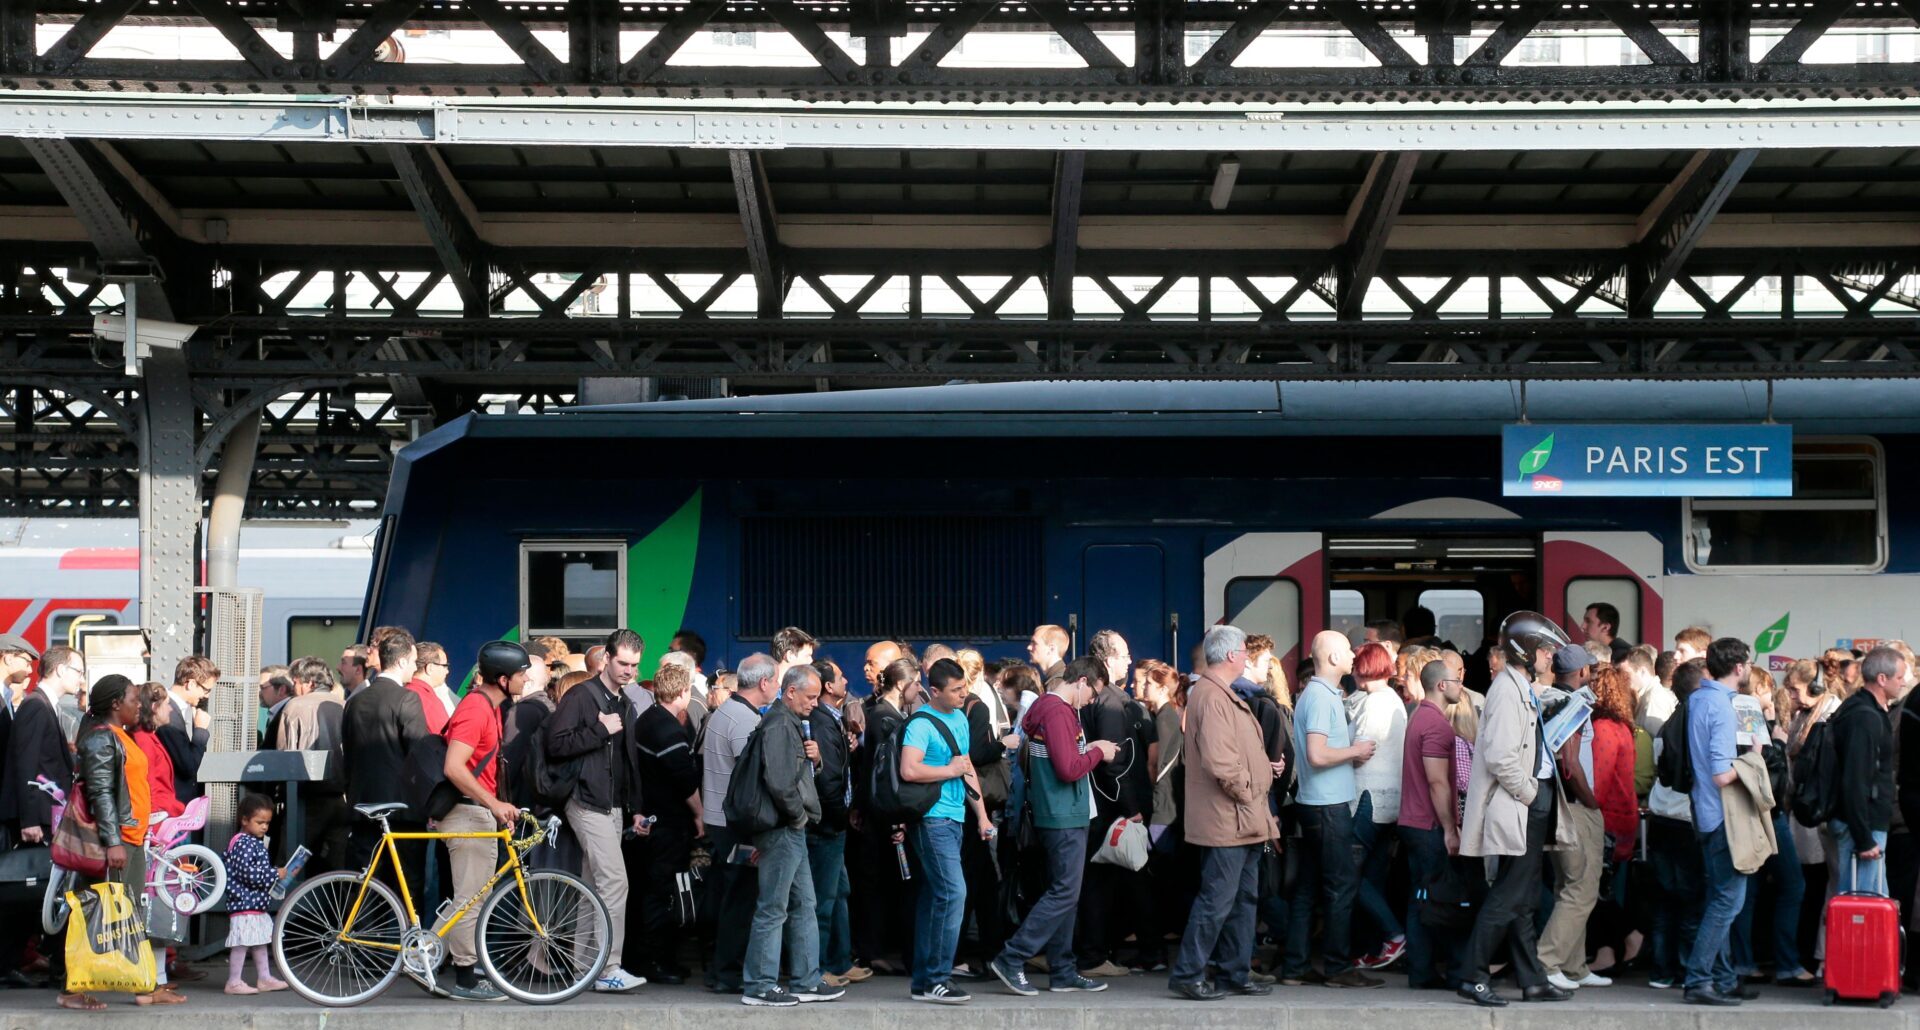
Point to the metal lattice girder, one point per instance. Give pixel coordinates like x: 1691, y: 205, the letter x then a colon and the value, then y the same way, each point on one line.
x: 1182, y: 49
x: 1672, y: 226
x: 129, y: 234
x: 760, y: 223
x: 558, y: 351
x: 451, y: 221
x: 169, y: 506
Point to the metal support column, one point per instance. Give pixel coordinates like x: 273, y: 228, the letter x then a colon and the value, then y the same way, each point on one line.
x: 169, y: 507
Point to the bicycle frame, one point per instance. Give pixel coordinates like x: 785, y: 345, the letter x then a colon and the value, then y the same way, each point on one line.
x: 388, y: 850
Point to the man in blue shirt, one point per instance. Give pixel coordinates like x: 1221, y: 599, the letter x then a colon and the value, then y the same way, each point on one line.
x: 1325, y: 754
x: 1712, y: 748
x: 927, y: 757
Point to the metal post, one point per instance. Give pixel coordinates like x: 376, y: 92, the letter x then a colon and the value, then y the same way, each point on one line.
x: 230, y: 505
x: 169, y: 507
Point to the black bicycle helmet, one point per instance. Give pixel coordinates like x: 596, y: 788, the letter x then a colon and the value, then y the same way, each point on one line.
x: 502, y: 658
x: 1525, y: 633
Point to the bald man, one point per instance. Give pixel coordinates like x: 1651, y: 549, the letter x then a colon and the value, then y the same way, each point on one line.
x: 1327, y: 753
x: 879, y: 656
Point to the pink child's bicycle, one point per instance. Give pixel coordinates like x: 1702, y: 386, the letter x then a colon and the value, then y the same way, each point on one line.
x: 188, y: 878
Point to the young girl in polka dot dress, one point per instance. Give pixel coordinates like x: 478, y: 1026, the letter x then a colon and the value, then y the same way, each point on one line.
x: 250, y: 878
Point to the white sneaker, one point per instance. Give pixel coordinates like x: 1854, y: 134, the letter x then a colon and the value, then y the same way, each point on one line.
x: 1593, y: 979
x: 617, y: 980
x: 1560, y: 980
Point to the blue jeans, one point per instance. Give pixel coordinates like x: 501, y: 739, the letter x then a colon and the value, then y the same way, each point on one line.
x: 1789, y: 885
x: 1220, y: 930
x: 1373, y: 842
x: 1726, y: 893
x: 1326, y: 872
x: 942, y: 905
x: 1872, y: 871
x: 1428, y: 861
x: 1048, y: 927
x: 784, y: 915
x: 827, y: 856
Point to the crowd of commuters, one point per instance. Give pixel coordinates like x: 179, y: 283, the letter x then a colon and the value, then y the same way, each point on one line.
x: 1555, y: 813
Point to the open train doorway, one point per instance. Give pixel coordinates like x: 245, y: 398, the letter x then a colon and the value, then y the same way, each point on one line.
x: 1466, y: 583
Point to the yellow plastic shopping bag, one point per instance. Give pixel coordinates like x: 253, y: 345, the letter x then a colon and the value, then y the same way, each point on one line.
x: 107, y: 947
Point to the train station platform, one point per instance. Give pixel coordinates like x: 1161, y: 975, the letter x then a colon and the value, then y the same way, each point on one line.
x: 1135, y: 1003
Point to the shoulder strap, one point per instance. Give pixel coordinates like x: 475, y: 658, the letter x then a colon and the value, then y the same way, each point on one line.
x: 953, y: 746
x: 1169, y: 766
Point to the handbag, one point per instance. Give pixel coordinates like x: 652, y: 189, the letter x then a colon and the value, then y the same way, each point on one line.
x: 76, y: 841
x: 1446, y: 903
x: 1124, y: 844
x: 23, y: 874
x: 107, y: 948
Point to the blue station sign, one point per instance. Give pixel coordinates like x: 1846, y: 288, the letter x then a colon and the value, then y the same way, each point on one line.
x: 1647, y: 461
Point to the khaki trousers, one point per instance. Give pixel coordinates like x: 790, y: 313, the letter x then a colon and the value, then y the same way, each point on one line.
x: 1576, y: 877
x: 604, y: 867
x: 473, y: 861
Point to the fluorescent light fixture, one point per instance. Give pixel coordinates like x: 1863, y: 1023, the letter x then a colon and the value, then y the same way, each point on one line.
x: 1223, y: 179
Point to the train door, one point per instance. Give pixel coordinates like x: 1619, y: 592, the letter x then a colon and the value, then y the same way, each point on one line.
x: 1465, y: 583
x: 1616, y: 568
x: 1123, y: 587
x: 1272, y: 583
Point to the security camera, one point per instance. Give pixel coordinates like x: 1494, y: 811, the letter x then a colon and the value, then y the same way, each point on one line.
x: 152, y: 331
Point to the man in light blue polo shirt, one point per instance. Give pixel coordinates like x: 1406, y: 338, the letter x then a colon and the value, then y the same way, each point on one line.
x: 1325, y: 754
x: 1712, y: 748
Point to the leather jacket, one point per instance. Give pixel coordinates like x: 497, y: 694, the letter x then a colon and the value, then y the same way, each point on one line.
x: 101, y: 772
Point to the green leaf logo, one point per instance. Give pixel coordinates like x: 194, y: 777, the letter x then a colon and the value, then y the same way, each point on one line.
x: 1536, y: 459
x: 1772, y: 637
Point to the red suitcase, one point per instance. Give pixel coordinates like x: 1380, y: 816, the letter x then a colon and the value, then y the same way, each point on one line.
x: 1863, y: 948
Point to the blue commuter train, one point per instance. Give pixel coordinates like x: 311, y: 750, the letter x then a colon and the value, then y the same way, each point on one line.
x: 969, y: 513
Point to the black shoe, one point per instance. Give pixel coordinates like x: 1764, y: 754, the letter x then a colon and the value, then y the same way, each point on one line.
x: 1249, y: 990
x: 1482, y: 995
x: 1310, y: 978
x: 1746, y: 992
x: 1199, y: 990
x: 1354, y: 978
x: 663, y: 976
x: 1709, y: 996
x: 1545, y: 992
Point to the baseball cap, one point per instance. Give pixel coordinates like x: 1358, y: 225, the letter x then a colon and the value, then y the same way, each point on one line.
x: 1571, y: 658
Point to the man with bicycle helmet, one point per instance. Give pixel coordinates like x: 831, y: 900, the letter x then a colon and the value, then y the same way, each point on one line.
x: 473, y: 767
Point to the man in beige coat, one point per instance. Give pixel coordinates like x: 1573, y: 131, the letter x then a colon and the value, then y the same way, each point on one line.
x: 1228, y: 776
x: 1512, y: 796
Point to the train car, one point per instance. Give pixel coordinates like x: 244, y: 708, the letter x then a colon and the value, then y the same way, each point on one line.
x: 970, y: 513
x: 313, y: 575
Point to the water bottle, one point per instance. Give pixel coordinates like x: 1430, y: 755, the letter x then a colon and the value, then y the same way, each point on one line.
x: 900, y: 855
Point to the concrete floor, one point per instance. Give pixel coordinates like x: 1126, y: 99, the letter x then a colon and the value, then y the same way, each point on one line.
x: 1133, y: 1003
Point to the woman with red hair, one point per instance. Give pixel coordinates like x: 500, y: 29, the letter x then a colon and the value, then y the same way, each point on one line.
x: 1380, y: 716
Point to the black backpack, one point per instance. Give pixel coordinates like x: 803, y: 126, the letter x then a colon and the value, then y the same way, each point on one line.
x: 1675, y: 766
x: 1815, y: 792
x: 547, y: 783
x: 895, y: 798
x: 748, y: 806
x: 424, y: 786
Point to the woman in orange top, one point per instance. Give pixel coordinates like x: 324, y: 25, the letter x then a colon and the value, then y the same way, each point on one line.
x: 155, y: 712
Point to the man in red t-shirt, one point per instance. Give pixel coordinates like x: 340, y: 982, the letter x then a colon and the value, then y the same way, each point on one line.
x: 473, y: 767
x: 1429, y: 827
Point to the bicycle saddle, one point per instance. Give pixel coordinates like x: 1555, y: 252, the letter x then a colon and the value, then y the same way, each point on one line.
x: 375, y: 811
x: 194, y: 818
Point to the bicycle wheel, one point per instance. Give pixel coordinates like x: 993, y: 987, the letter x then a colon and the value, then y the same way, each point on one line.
x: 559, y: 959
x: 53, y: 904
x: 197, y: 874
x: 326, y: 966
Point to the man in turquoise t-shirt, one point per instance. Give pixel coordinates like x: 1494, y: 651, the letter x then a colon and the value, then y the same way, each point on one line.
x: 927, y: 757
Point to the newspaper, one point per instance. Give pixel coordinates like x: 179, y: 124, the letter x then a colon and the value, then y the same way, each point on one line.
x: 1749, y: 722
x: 1568, y: 720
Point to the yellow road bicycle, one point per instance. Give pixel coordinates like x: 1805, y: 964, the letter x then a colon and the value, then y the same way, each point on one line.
x: 343, y: 937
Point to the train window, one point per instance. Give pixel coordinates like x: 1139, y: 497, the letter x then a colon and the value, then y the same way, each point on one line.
x: 1835, y: 520
x: 1459, y: 616
x: 60, y: 627
x: 322, y: 636
x: 1621, y: 592
x: 1269, y: 605
x: 1346, y: 611
x: 572, y: 588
